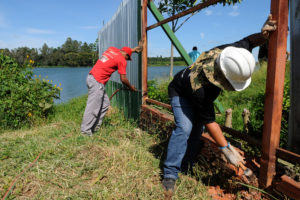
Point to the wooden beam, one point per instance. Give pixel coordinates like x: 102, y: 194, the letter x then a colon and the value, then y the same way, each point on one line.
x: 157, y: 114
x: 288, y: 186
x: 288, y: 156
x: 186, y: 12
x: 240, y: 135
x: 274, y: 92
x: 144, y: 53
x: 164, y: 105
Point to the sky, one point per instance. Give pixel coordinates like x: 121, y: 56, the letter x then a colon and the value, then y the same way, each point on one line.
x: 32, y: 23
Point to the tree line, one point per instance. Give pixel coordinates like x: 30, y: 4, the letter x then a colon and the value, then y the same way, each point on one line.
x: 72, y: 53
x: 162, y: 61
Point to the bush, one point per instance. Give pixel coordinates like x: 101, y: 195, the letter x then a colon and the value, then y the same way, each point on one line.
x: 257, y: 118
x: 158, y: 90
x: 23, y: 99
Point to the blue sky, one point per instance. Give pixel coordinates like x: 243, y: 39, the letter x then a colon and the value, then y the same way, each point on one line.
x: 35, y: 22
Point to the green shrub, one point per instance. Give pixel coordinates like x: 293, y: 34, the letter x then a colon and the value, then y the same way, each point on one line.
x: 23, y: 99
x: 257, y: 117
x: 158, y: 90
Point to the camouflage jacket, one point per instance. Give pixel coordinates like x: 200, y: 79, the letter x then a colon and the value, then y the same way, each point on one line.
x: 205, y: 70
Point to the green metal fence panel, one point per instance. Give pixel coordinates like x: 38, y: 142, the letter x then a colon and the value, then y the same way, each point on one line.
x: 124, y: 29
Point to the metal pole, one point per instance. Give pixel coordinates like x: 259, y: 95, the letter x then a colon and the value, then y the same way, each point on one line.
x: 274, y: 92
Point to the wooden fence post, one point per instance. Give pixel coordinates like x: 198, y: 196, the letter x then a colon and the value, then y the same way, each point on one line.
x: 274, y: 92
x: 228, y: 118
x: 246, y: 119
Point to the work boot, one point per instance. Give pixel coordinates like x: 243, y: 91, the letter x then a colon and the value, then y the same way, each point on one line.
x: 169, y: 185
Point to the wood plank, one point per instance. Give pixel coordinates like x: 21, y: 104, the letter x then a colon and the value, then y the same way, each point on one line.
x: 184, y: 13
x: 274, y: 92
x: 288, y: 186
x: 145, y: 52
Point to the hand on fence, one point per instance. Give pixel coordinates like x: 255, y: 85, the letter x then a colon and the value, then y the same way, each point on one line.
x: 269, y: 26
x: 139, y: 48
x: 133, y: 89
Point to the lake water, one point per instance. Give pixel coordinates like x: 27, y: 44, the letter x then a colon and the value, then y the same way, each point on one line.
x: 72, y: 80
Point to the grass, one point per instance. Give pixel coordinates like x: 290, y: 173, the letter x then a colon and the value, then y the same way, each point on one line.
x: 118, y: 162
x: 237, y: 101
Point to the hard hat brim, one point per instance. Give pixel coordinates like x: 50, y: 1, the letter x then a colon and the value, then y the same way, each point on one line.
x: 238, y: 86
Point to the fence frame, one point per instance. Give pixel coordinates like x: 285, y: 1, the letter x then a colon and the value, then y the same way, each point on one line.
x: 273, y: 101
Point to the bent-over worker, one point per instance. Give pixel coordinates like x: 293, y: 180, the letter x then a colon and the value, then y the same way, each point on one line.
x: 98, y: 102
x: 192, y: 93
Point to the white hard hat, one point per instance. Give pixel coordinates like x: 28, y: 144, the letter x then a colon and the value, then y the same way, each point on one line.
x: 237, y: 65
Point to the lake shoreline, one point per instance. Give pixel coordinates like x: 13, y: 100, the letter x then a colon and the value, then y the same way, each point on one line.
x: 72, y: 80
x: 149, y: 65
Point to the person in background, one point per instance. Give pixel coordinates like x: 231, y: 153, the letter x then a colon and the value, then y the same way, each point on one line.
x: 194, y: 54
x: 192, y: 93
x: 98, y: 102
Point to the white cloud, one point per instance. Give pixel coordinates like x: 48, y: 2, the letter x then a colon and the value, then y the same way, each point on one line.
x: 39, y: 31
x: 202, y: 35
x: 234, y: 11
x: 208, y: 12
x: 89, y: 27
x: 3, y: 23
x: 15, y: 41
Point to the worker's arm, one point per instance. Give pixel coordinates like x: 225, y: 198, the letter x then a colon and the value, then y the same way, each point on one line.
x: 216, y: 133
x: 256, y: 39
x: 126, y: 82
x: 230, y: 153
x: 259, y: 39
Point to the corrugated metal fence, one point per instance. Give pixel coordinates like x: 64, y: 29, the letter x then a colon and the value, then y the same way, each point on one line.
x: 124, y: 29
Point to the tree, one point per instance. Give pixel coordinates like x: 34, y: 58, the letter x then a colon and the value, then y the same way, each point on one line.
x: 71, y: 46
x: 172, y: 7
x: 21, y: 54
x: 72, y: 53
x: 85, y: 48
x: 44, y: 56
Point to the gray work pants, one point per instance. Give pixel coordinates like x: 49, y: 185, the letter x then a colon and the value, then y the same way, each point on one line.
x: 96, y: 106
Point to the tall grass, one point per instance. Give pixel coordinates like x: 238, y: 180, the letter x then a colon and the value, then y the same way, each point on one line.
x: 253, y: 99
x: 237, y: 101
x: 118, y: 162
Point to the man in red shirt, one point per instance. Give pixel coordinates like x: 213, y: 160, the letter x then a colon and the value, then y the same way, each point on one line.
x: 98, y: 102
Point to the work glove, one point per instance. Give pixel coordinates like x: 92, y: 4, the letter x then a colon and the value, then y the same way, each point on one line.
x: 269, y: 26
x: 232, y: 155
x: 139, y: 48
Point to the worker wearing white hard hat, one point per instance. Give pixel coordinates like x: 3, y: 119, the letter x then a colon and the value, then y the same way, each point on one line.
x: 192, y: 93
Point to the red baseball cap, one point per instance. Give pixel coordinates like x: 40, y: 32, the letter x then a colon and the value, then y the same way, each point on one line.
x: 128, y: 51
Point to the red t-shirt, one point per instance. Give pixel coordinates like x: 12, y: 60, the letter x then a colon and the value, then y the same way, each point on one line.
x: 110, y: 61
